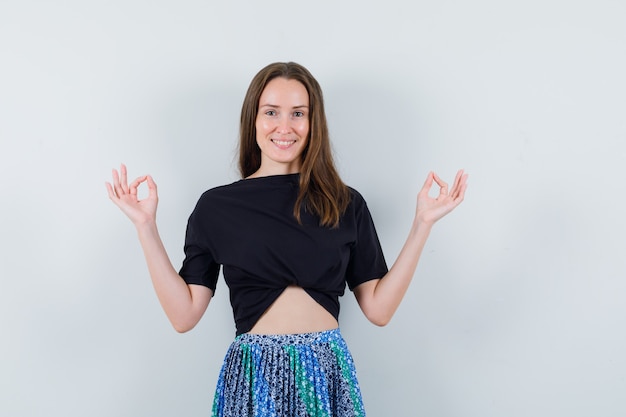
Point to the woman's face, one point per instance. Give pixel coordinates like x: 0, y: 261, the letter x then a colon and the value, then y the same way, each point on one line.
x: 282, y: 126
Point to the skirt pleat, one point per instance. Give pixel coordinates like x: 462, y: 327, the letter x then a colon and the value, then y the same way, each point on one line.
x: 295, y: 375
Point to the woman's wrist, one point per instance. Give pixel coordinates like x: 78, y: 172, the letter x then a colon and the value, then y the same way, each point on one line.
x: 146, y: 227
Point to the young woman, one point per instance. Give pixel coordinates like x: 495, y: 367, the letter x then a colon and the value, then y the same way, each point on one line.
x: 289, y: 236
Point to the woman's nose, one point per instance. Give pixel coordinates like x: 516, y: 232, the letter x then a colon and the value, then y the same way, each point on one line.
x: 284, y: 124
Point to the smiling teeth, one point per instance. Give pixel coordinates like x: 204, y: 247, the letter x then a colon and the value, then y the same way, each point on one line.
x: 283, y: 142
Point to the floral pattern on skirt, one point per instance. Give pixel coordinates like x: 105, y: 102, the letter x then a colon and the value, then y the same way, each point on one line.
x: 293, y: 375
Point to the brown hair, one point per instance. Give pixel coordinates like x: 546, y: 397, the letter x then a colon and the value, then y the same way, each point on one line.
x: 321, y: 189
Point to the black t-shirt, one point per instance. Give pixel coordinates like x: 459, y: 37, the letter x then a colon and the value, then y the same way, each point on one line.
x: 249, y: 228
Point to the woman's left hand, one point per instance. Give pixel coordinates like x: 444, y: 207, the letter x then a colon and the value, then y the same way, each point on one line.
x: 430, y: 209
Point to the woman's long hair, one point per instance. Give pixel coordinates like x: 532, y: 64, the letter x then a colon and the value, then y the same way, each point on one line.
x: 321, y: 189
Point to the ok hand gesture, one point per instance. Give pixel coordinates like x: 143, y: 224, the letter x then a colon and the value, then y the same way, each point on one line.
x: 429, y: 209
x: 125, y: 197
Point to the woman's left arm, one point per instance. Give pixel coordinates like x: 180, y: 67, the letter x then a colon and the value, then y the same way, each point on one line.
x: 380, y: 298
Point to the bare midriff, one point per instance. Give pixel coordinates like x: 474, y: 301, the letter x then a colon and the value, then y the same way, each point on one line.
x: 294, y: 311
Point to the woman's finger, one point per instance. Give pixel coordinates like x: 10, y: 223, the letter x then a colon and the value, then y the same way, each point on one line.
x: 461, y: 186
x: 132, y: 189
x: 110, y: 191
x: 117, y: 188
x: 457, y: 183
x: 124, y: 178
x: 427, y: 184
x: 443, y: 186
x: 152, y: 187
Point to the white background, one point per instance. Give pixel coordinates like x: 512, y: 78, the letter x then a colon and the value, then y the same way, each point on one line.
x: 517, y: 308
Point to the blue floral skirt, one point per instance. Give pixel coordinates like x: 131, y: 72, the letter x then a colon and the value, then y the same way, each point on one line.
x: 294, y: 375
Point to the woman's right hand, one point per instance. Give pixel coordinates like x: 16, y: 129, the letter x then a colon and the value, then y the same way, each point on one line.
x: 125, y: 197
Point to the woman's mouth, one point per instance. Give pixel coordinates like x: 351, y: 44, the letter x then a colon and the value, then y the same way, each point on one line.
x: 283, y: 144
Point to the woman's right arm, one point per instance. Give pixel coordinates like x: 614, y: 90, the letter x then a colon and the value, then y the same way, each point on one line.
x: 183, y: 304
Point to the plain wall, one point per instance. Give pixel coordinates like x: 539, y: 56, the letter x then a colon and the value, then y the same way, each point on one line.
x: 517, y: 307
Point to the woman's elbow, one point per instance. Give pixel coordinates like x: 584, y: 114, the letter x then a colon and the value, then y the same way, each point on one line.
x: 183, y: 326
x: 182, y: 329
x: 379, y: 319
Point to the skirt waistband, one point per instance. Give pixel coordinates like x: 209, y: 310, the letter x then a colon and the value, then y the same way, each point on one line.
x: 313, y: 338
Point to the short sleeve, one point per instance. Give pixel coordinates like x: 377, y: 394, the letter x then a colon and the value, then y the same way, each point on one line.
x: 199, y: 266
x: 367, y: 261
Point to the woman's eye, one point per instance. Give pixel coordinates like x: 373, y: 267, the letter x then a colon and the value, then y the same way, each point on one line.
x: 298, y: 114
x: 270, y: 113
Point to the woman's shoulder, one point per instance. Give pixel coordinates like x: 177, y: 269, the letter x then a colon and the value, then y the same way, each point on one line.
x: 220, y: 191
x: 356, y: 198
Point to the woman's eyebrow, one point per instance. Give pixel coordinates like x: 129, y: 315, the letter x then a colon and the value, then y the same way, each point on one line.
x: 300, y: 106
